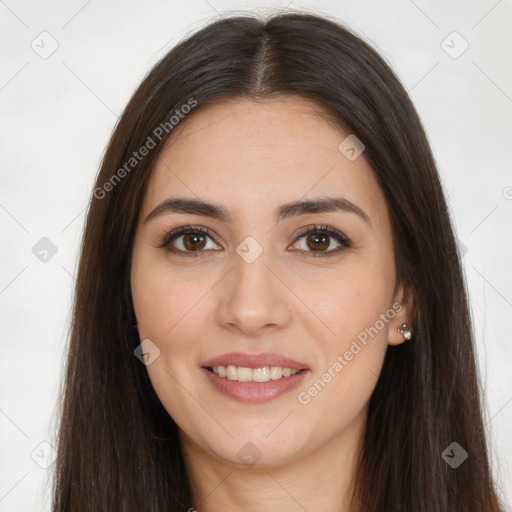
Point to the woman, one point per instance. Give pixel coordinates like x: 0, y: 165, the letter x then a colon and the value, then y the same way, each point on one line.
x: 270, y: 309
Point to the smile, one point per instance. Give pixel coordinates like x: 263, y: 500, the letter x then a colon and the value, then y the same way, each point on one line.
x: 253, y: 391
x: 243, y: 374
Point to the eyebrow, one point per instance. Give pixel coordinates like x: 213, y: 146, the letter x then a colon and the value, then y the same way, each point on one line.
x: 285, y: 211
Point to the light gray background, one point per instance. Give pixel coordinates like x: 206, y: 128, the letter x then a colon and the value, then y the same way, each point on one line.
x: 56, y: 117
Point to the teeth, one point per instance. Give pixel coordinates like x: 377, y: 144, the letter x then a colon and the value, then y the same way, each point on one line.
x: 260, y: 374
x: 276, y: 372
x: 242, y: 374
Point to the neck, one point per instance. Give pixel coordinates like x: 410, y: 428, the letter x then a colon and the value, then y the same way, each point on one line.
x: 321, y: 481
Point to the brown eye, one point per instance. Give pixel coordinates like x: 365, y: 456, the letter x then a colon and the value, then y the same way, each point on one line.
x: 194, y: 242
x: 318, y: 241
x: 188, y: 241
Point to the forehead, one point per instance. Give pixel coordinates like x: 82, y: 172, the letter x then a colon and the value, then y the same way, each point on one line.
x: 247, y: 154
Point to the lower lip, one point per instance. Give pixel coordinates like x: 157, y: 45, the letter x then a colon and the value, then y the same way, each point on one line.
x: 254, y: 392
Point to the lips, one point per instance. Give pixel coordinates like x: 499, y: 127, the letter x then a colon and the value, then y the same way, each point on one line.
x: 254, y: 361
x: 254, y: 392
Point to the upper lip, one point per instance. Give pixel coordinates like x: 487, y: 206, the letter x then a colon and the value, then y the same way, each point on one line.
x: 247, y: 360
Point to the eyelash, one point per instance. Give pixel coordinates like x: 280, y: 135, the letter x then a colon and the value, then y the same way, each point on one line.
x: 325, y: 230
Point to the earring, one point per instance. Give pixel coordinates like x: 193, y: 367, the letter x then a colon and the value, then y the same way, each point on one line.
x: 406, y: 331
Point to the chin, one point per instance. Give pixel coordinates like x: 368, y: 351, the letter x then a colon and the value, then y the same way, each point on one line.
x: 257, y: 451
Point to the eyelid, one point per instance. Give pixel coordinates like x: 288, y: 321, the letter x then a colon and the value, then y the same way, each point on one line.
x: 183, y: 230
x: 325, y: 229
x: 342, y: 239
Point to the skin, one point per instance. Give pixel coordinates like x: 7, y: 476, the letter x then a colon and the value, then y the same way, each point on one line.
x: 252, y: 157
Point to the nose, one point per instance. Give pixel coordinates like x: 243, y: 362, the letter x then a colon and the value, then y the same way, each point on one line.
x: 253, y: 299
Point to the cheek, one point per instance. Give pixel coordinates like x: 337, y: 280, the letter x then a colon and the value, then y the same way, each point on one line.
x: 169, y: 313
x: 352, y: 300
x: 161, y: 302
x: 358, y: 314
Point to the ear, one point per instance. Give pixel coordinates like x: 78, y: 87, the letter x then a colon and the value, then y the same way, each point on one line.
x: 404, y: 305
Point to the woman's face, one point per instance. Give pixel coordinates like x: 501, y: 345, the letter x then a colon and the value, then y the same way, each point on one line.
x: 269, y: 286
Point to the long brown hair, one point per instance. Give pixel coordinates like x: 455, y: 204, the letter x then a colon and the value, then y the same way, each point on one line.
x: 118, y: 448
